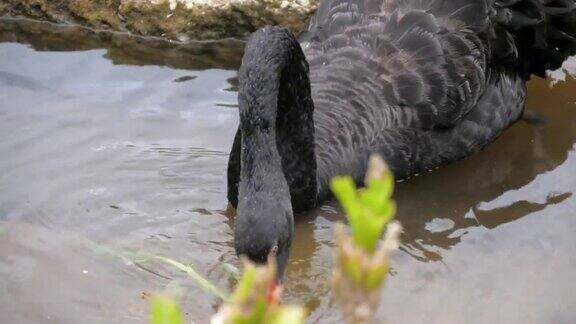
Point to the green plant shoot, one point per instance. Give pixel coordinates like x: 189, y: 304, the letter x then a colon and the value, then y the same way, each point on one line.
x: 254, y: 300
x: 368, y: 210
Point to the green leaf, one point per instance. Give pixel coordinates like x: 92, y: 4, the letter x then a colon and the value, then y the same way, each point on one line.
x: 232, y: 270
x: 246, y: 284
x: 203, y: 283
x: 165, y: 311
x: 368, y: 211
x: 352, y: 268
x: 375, y: 278
x: 345, y: 191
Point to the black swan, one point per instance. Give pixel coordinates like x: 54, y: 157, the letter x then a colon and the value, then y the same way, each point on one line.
x: 421, y: 82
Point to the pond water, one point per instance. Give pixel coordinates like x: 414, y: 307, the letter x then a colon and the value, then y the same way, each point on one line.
x: 124, y: 143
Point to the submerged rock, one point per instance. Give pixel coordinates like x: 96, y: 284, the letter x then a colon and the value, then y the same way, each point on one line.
x: 173, y: 19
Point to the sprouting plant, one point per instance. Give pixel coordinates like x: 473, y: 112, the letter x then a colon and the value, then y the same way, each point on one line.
x: 362, y: 264
x: 368, y: 210
x: 256, y: 300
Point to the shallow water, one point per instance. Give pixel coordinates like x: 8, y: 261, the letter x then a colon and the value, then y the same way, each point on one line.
x: 125, y: 144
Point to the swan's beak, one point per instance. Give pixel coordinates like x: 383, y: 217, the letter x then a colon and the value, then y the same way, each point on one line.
x: 275, y: 290
x: 275, y: 293
x: 281, y: 258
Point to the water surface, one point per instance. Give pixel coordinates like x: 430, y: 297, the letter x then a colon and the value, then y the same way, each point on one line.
x: 124, y: 143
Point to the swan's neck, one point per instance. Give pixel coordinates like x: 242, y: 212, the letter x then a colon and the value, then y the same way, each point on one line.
x: 276, y: 117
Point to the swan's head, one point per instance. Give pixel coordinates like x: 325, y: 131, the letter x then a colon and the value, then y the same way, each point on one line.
x: 264, y: 227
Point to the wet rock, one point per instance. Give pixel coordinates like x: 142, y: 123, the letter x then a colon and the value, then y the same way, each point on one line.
x: 181, y: 20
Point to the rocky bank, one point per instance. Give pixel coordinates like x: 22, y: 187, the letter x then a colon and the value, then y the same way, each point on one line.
x: 180, y: 20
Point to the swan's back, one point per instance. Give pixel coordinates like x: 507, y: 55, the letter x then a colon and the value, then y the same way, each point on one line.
x: 421, y: 82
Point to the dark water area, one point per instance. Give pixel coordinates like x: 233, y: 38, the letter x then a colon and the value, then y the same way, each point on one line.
x: 123, y: 142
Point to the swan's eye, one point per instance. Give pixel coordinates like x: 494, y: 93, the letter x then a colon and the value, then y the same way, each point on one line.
x: 274, y: 250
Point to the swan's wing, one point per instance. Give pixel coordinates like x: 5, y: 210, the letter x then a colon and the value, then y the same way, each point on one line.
x: 412, y: 67
x: 411, y: 63
x: 334, y: 16
x: 428, y: 60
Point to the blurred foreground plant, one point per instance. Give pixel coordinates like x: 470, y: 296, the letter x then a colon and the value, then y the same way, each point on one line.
x: 361, y: 267
x: 362, y: 264
x: 256, y: 300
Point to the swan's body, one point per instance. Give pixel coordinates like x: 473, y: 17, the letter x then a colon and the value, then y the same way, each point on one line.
x: 421, y: 83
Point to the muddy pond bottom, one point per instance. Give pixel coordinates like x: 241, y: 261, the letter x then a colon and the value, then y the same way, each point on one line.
x: 110, y: 145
